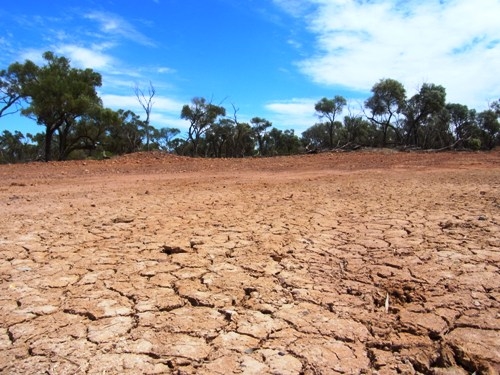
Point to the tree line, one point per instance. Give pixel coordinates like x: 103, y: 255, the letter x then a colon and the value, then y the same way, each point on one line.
x: 64, y: 101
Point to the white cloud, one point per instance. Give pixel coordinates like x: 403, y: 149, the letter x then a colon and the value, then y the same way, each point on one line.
x: 160, y: 103
x: 86, y: 57
x: 117, y: 83
x: 296, y: 8
x: 80, y: 57
x: 32, y: 54
x: 113, y: 24
x: 297, y: 114
x: 165, y: 111
x: 165, y: 70
x: 120, y: 101
x: 167, y: 104
x: 161, y: 120
x: 453, y: 43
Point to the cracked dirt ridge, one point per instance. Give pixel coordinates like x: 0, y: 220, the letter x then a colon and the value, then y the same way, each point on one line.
x: 365, y: 263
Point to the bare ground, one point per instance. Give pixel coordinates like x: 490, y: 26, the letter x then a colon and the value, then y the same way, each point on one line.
x: 350, y: 263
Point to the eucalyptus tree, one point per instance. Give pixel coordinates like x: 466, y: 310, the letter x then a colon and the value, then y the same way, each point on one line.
x: 89, y: 132
x: 462, y: 122
x: 283, y: 142
x: 387, y: 102
x: 243, y: 140
x: 420, y: 110
x: 358, y: 131
x: 12, y: 83
x: 124, y: 135
x: 329, y: 109
x: 200, y: 114
x: 219, y: 138
x: 166, y: 137
x: 146, y: 102
x: 490, y: 128
x: 316, y: 137
x: 58, y: 96
x: 259, y: 127
x: 436, y: 134
x: 495, y: 106
x: 180, y: 146
x: 16, y: 147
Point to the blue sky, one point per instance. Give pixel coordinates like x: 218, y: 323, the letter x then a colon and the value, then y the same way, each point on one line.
x: 268, y: 58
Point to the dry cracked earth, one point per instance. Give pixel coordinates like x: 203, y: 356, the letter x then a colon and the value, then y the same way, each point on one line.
x: 338, y: 263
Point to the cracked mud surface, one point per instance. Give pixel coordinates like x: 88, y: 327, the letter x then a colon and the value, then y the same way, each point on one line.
x: 362, y: 263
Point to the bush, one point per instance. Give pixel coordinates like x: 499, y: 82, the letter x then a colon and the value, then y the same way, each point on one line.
x: 474, y: 144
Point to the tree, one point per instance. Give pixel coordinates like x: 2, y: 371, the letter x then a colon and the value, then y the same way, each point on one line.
x: 316, y: 137
x: 386, y: 104
x: 462, y: 122
x: 259, y: 127
x: 219, y: 137
x: 88, y: 132
x: 420, y: 109
x: 166, y: 138
x: 124, y: 135
x: 11, y: 146
x: 12, y: 84
x: 242, y: 139
x: 200, y: 114
x: 490, y: 128
x: 58, y: 96
x: 358, y: 131
x: 147, y: 104
x: 329, y: 109
x: 495, y: 106
x: 283, y: 142
x: 437, y: 134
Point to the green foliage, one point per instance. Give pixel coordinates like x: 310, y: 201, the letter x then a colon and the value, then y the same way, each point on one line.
x: 229, y: 138
x: 59, y: 95
x: 124, y: 134
x: 462, y: 122
x: 200, y: 114
x: 357, y: 132
x: 424, y: 121
x: 243, y: 140
x: 437, y: 134
x: 64, y: 101
x: 259, y: 127
x: 490, y: 128
x: 283, y: 142
x: 316, y: 137
x: 166, y: 138
x: 15, y: 147
x: 329, y: 109
x: 474, y: 144
x: 12, y: 85
x: 386, y: 104
x: 420, y: 111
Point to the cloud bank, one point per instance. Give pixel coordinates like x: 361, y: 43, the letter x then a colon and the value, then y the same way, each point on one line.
x: 454, y: 43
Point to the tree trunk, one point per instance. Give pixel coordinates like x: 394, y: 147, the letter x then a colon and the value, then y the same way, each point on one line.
x: 384, y: 132
x: 48, y: 142
x: 330, y: 133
